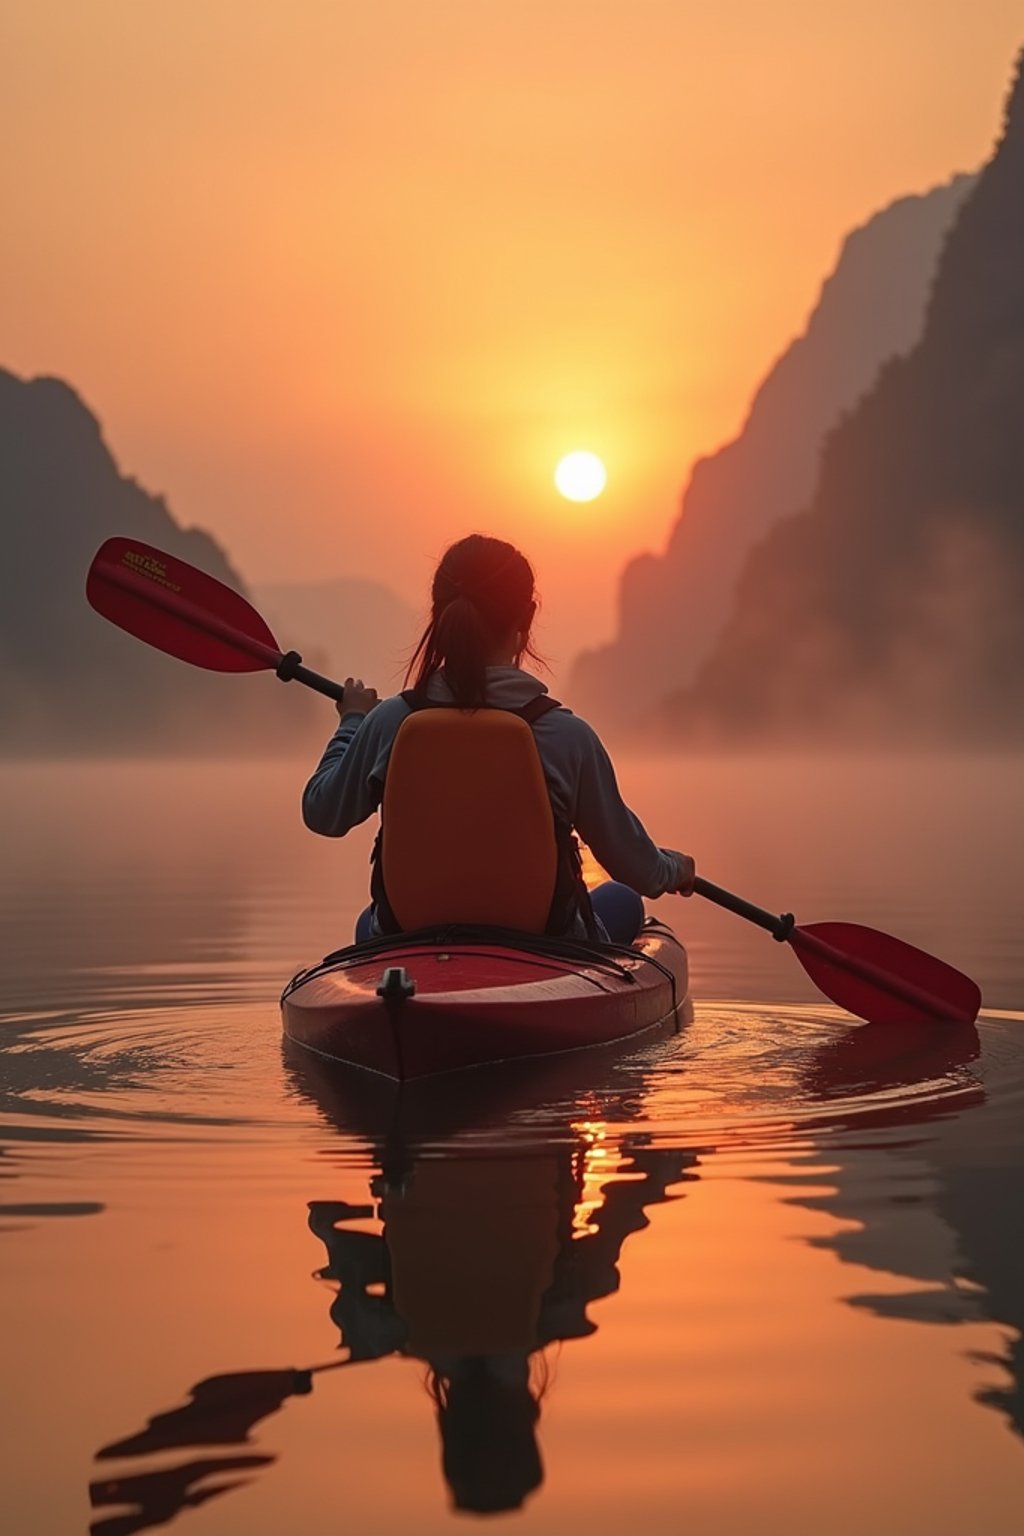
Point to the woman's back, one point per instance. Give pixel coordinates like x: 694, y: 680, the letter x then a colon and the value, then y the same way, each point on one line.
x: 466, y: 666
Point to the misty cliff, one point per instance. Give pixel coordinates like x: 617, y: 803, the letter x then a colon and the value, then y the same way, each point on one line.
x: 894, y: 605
x: 69, y: 681
x: 673, y: 606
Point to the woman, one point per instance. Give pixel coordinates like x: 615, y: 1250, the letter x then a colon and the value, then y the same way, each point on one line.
x: 468, y: 660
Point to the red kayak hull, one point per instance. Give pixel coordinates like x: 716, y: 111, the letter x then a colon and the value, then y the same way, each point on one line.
x: 478, y: 1003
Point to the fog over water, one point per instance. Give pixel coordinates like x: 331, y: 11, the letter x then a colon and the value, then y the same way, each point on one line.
x: 707, y: 1279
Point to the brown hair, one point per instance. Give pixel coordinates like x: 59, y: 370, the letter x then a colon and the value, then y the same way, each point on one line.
x: 482, y: 590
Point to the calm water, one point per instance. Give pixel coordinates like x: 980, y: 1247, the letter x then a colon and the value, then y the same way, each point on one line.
x: 768, y: 1276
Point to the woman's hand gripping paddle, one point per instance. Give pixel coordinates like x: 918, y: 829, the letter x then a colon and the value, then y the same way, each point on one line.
x: 870, y: 974
x: 183, y: 611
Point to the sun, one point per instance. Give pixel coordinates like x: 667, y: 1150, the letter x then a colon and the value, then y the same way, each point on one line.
x: 580, y: 476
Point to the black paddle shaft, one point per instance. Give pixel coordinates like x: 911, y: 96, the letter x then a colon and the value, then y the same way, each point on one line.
x: 290, y: 667
x: 779, y: 927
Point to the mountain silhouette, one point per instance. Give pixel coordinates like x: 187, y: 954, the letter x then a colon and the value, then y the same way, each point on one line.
x: 893, y: 607
x: 673, y: 606
x: 70, y: 683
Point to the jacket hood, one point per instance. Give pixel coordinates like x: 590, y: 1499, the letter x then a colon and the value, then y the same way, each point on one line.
x: 507, y: 688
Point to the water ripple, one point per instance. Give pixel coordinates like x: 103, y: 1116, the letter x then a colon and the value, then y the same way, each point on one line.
x: 741, y: 1077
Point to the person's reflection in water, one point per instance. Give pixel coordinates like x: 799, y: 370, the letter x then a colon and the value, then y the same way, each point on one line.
x: 483, y: 1261
x: 487, y: 1411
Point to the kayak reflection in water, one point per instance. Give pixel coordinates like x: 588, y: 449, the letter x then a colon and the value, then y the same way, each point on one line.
x: 482, y: 1262
x: 484, y: 1258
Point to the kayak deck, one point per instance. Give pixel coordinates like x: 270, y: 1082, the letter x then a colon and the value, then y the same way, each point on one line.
x: 481, y: 996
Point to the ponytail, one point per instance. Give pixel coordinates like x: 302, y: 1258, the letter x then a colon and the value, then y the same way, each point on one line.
x: 482, y: 590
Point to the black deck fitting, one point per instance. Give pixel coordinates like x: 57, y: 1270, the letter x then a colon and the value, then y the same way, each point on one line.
x: 396, y: 983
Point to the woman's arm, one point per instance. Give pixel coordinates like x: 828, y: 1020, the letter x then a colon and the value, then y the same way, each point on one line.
x: 616, y: 837
x: 348, y: 782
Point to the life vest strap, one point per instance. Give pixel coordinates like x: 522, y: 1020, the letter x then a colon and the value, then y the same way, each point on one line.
x: 531, y: 712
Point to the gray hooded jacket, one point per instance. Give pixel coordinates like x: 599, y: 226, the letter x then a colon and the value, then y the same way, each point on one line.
x: 348, y: 783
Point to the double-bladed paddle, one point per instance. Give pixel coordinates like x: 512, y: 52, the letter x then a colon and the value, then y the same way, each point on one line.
x: 870, y: 974
x: 171, y: 605
x: 189, y: 614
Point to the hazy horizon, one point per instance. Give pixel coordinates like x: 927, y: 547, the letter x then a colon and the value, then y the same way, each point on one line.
x: 353, y: 274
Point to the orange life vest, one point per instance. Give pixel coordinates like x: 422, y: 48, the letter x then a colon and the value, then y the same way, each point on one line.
x: 468, y: 835
x: 473, y: 1247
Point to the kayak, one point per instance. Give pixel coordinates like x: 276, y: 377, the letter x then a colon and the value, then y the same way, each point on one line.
x: 421, y: 1004
x: 416, y: 1005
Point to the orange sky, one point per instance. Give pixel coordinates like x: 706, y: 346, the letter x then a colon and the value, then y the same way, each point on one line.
x: 343, y: 280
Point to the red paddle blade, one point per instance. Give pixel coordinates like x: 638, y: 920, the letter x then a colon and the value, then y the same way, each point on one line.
x: 178, y: 609
x: 882, y: 979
